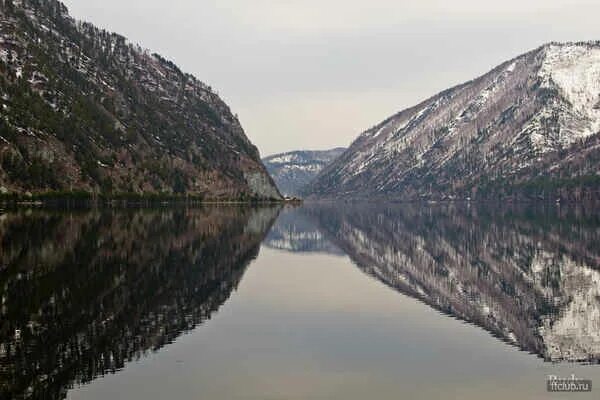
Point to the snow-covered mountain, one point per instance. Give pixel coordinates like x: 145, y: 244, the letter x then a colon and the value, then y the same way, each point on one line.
x: 529, y: 127
x: 84, y: 109
x: 294, y: 170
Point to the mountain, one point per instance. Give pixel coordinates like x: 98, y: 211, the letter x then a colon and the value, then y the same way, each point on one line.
x: 83, y: 109
x: 294, y: 170
x: 528, y: 128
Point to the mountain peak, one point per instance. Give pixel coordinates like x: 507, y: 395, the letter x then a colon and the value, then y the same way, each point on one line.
x: 504, y: 130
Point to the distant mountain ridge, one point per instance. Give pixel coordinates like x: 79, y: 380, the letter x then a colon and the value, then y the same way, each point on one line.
x: 528, y: 128
x: 292, y: 171
x: 83, y: 109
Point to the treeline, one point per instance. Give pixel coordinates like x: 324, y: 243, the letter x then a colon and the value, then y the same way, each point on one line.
x: 85, y: 197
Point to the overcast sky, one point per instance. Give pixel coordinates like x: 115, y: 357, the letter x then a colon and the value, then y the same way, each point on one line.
x: 313, y: 74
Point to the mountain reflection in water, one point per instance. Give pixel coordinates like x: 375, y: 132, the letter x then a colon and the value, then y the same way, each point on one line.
x: 529, y: 275
x: 85, y: 292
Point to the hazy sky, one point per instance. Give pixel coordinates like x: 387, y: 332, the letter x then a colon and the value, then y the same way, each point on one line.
x: 313, y: 74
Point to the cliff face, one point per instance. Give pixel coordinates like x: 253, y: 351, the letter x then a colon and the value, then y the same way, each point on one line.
x: 84, y: 109
x: 528, y: 127
x: 294, y: 170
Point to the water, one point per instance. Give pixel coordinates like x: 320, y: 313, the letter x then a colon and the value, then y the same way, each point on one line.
x: 330, y: 301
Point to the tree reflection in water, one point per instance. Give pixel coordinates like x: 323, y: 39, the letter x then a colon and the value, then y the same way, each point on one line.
x: 83, y: 293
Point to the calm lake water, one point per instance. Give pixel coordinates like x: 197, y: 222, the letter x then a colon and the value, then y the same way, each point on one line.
x: 324, y: 301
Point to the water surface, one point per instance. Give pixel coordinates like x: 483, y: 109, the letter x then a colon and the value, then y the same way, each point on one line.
x: 329, y: 301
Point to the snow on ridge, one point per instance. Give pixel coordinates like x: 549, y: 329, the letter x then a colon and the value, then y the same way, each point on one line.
x: 506, y: 120
x: 575, y: 70
x: 284, y: 158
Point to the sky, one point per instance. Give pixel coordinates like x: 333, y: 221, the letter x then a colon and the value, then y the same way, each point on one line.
x: 314, y: 74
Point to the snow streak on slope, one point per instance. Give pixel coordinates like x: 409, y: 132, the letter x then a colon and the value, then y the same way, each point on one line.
x: 575, y: 71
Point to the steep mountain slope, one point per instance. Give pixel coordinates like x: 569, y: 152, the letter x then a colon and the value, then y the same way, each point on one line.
x: 529, y: 128
x: 294, y: 170
x: 83, y: 109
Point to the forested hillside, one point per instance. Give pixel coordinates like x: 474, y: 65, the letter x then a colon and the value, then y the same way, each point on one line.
x: 85, y: 110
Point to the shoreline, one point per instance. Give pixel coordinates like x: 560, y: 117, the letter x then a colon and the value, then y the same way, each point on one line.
x: 125, y: 199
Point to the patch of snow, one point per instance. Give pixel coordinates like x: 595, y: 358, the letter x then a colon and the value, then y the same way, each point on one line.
x: 575, y: 69
x: 284, y: 159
